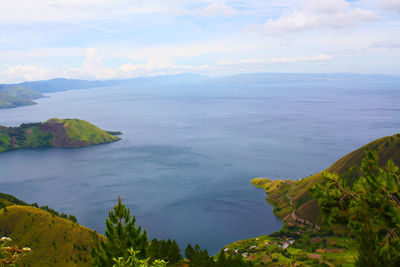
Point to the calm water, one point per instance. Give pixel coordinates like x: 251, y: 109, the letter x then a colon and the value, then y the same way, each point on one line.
x: 187, y: 155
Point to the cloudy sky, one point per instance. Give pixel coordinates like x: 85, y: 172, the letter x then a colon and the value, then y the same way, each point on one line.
x: 107, y: 39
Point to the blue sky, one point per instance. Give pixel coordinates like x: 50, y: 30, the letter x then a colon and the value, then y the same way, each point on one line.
x: 115, y: 39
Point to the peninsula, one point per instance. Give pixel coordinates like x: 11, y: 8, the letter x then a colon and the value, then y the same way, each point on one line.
x: 12, y: 96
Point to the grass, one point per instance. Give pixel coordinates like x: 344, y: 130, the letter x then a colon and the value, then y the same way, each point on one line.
x: 83, y: 130
x: 54, y: 241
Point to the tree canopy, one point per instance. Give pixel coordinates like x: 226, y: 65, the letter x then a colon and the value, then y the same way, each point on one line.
x: 121, y: 234
x: 370, y: 208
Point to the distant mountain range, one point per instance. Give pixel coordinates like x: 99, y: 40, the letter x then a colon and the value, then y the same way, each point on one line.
x: 62, y: 84
x: 13, y: 95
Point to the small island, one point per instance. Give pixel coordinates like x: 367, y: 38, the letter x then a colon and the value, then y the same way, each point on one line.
x: 62, y: 133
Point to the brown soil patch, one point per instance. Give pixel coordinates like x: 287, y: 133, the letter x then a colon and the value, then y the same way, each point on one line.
x: 316, y: 240
x: 314, y: 256
x: 62, y: 139
x: 333, y: 250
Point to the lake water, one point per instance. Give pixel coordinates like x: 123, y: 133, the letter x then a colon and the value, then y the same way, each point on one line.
x: 187, y: 155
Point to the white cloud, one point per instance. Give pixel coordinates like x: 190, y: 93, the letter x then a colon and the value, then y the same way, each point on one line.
x: 76, y: 10
x: 319, y: 14
x: 302, y: 59
x: 19, y: 73
x: 43, y: 52
x: 391, y: 5
x: 216, y: 10
x: 93, y: 68
x: 386, y: 45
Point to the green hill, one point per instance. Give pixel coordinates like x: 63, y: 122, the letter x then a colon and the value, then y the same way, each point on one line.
x: 15, y: 96
x: 296, y: 198
x: 54, y: 241
x: 67, y: 133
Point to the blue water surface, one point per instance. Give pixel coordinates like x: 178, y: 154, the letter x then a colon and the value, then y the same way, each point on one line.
x: 187, y: 154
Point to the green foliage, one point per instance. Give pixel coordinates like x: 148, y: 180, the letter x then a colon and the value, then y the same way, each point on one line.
x: 189, y: 252
x: 200, y: 258
x: 53, y: 212
x: 166, y: 250
x: 370, y: 209
x: 133, y: 261
x: 121, y: 234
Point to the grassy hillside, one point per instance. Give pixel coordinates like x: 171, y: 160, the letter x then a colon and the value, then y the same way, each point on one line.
x: 15, y: 96
x: 82, y: 131
x: 298, y: 197
x: 67, y: 133
x: 54, y: 241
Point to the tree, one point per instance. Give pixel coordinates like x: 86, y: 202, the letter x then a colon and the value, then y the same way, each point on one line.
x: 174, y: 253
x: 154, y: 250
x: 164, y: 247
x: 370, y: 209
x: 221, y: 261
x: 189, y: 252
x: 121, y: 234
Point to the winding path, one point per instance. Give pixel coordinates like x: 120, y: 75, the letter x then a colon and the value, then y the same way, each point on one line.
x: 293, y: 215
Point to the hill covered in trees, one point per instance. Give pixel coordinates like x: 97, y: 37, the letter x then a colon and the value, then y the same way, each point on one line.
x: 65, y: 133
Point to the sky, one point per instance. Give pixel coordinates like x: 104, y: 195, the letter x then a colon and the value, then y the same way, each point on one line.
x: 118, y: 39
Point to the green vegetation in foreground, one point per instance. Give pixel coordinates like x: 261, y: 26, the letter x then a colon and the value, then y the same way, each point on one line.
x: 15, y: 96
x: 66, y: 133
x: 121, y: 235
x: 370, y: 208
x: 128, y: 245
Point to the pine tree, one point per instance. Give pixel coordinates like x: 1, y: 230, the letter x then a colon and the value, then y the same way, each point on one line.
x: 154, y: 250
x: 121, y: 234
x: 370, y: 209
x: 174, y: 253
x: 164, y: 247
x: 189, y: 252
x: 221, y: 261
